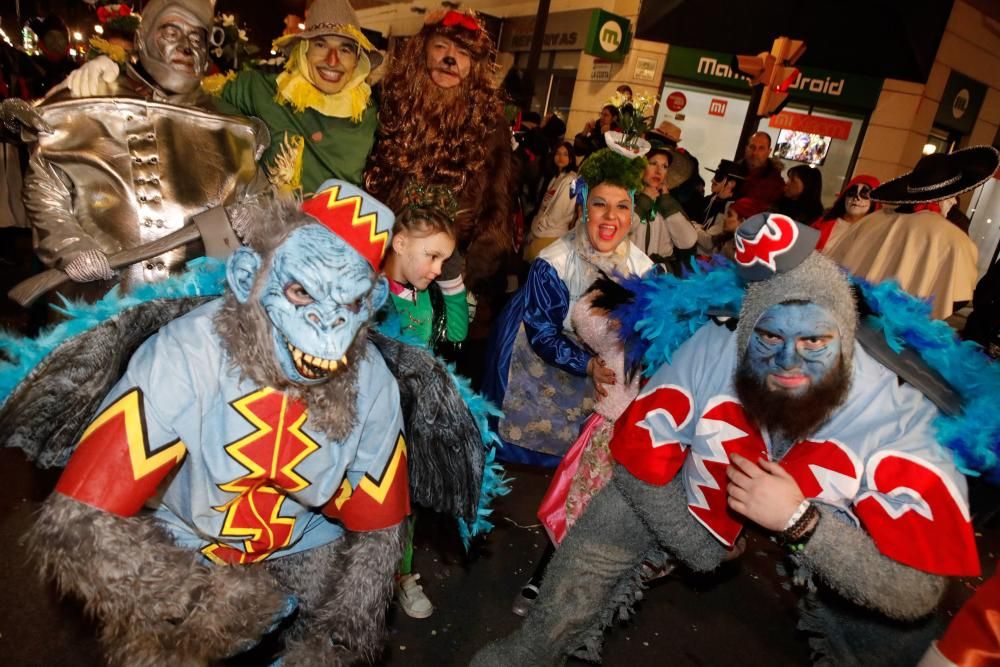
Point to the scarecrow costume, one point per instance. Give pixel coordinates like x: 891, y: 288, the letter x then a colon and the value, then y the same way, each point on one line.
x: 314, y: 135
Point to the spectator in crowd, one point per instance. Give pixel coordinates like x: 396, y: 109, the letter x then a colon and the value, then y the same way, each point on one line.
x: 592, y: 138
x: 686, y: 187
x: 626, y: 93
x: 530, y: 158
x: 557, y: 209
x: 853, y: 203
x: 802, y: 200
x: 664, y: 231
x: 763, y: 181
x: 53, y: 58
x: 723, y: 241
x: 728, y: 175
x: 913, y: 242
x: 554, y: 129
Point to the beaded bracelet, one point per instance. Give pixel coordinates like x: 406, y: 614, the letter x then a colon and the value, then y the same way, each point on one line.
x: 799, y: 531
x: 799, y: 511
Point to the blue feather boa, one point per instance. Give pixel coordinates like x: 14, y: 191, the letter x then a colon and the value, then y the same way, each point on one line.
x: 667, y: 310
x: 204, y: 277
x: 207, y: 277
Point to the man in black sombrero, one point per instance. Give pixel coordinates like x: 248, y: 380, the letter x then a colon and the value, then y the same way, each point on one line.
x: 911, y: 241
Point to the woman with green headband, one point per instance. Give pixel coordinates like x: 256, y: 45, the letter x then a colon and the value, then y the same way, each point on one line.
x: 537, y: 370
x: 540, y: 368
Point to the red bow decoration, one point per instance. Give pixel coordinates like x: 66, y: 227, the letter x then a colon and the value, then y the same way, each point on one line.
x: 107, y: 12
x: 931, y: 206
x: 452, y: 18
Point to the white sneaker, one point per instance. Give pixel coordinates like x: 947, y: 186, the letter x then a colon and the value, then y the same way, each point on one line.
x: 411, y: 597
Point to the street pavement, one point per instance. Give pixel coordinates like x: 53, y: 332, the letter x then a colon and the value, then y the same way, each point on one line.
x: 742, y: 615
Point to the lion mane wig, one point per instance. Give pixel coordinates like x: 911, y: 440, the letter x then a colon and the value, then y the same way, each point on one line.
x: 456, y: 138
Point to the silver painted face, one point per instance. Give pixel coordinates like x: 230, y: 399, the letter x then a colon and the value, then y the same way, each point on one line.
x: 174, y: 50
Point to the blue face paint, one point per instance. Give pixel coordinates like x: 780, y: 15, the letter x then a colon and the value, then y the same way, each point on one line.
x: 794, y: 346
x: 318, y: 295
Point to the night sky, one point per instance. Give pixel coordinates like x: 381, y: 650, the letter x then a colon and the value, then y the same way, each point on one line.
x: 264, y: 19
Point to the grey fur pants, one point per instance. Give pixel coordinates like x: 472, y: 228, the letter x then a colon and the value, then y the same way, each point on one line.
x: 596, y: 564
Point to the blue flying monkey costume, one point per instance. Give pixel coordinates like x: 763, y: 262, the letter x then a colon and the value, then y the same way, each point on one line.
x: 268, y: 427
x: 901, y: 410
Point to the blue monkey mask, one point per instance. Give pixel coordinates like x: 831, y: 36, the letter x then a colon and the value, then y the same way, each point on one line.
x: 321, y: 285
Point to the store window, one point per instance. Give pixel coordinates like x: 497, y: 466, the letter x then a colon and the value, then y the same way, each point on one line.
x: 554, y: 81
x: 941, y: 140
x: 832, y: 106
x: 824, y: 139
x: 710, y: 121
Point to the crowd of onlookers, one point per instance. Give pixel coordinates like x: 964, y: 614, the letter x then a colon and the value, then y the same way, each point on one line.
x: 694, y: 218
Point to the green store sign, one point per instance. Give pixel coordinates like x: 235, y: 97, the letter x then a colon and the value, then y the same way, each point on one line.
x: 813, y: 84
x: 608, y: 37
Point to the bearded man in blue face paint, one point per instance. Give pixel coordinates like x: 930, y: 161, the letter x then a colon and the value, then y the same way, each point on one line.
x: 261, y: 431
x: 779, y: 419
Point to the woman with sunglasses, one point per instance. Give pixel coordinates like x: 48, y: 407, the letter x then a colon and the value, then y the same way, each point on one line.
x: 852, y: 204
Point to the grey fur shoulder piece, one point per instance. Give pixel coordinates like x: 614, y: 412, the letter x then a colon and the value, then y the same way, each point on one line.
x: 49, y: 409
x: 446, y: 454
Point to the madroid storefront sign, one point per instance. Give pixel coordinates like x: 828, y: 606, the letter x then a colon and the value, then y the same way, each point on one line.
x: 812, y: 85
x: 608, y: 37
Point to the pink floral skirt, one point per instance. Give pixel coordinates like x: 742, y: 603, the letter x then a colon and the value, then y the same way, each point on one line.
x: 583, y: 471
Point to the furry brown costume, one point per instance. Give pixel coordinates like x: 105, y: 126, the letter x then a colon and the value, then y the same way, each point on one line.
x: 455, y: 137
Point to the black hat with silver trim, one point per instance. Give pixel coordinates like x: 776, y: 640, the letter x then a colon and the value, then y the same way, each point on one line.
x: 938, y: 176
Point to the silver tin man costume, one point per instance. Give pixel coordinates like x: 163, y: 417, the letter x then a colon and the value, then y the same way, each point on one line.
x: 120, y: 171
x: 117, y: 173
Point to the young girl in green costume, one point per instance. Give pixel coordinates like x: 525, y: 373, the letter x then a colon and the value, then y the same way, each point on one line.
x: 433, y: 311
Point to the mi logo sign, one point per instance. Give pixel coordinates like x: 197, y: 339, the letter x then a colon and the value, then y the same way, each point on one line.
x: 717, y: 107
x: 960, y: 104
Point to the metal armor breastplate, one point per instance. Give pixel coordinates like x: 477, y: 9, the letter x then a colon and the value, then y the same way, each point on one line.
x: 138, y: 169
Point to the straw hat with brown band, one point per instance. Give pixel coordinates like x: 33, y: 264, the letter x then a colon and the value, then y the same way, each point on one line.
x: 331, y: 17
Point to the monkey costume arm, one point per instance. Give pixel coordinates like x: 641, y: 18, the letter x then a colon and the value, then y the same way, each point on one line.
x: 349, y: 626
x: 847, y: 560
